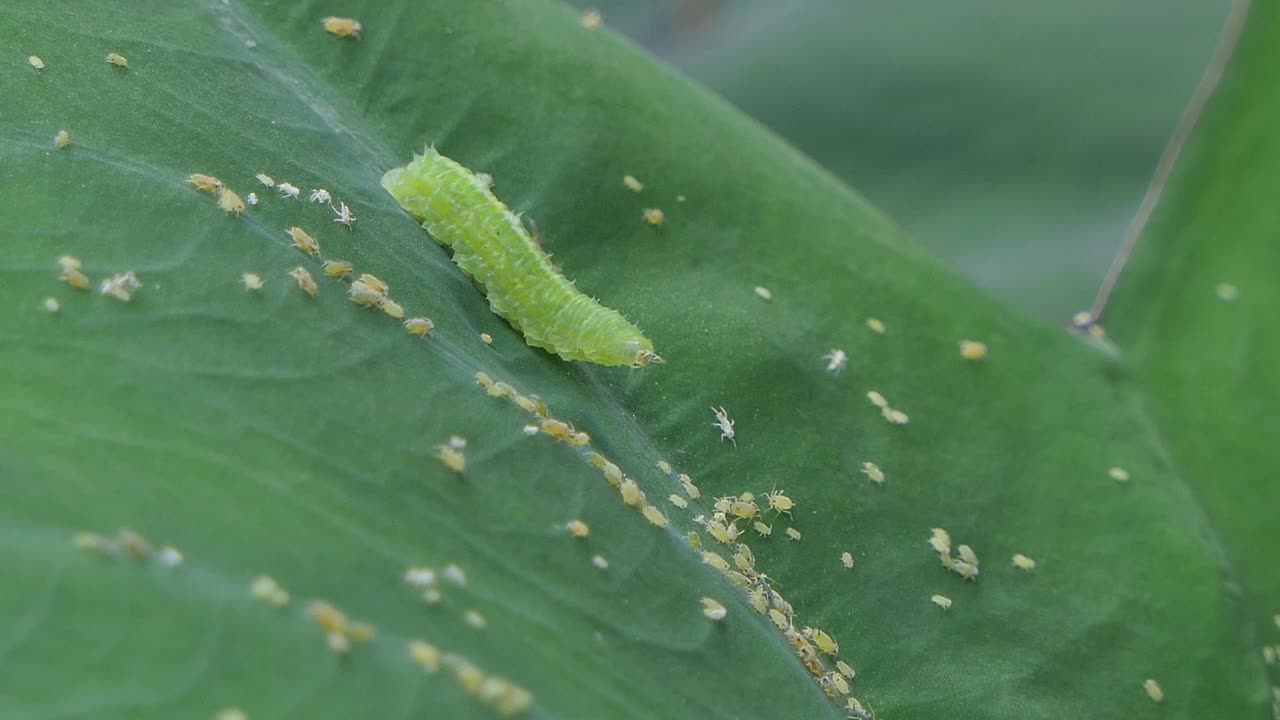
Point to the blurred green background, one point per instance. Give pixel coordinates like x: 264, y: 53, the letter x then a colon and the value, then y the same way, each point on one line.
x: 1013, y: 138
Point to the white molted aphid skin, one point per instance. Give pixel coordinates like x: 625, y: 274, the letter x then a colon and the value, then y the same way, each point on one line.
x: 455, y: 575
x: 713, y: 609
x: 288, y: 190
x: 1022, y: 562
x: 942, y: 601
x: 344, y: 215
x: 1118, y: 474
x: 62, y: 140
x: 252, y: 198
x: 321, y: 196
x: 724, y: 424
x: 420, y: 577
x: 36, y: 62
x: 51, y: 305
x: 265, y: 179
x: 836, y: 360
x: 600, y: 562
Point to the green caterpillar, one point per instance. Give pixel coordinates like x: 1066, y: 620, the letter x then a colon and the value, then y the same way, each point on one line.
x: 491, y: 245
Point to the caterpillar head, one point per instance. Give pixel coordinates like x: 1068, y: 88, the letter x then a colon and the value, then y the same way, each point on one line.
x: 641, y: 354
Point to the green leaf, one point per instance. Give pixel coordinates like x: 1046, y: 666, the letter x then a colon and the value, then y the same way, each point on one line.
x: 294, y: 436
x: 1014, y: 139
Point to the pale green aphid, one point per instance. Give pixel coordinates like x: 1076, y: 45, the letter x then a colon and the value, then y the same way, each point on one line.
x: 491, y: 245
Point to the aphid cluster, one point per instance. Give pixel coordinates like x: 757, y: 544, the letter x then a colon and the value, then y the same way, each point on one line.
x: 897, y: 417
x: 128, y: 543
x: 266, y: 589
x: 964, y: 563
x: 339, y: 632
x: 69, y: 272
x: 497, y: 693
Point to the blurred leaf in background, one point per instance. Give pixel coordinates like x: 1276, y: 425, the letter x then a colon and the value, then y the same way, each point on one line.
x: 1013, y: 138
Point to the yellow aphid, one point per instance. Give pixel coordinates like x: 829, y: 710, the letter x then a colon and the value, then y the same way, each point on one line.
x: 762, y: 292
x: 744, y: 559
x: 1268, y: 655
x: 484, y: 380
x: 1154, y: 691
x: 838, y: 683
x: 825, y: 642
x: 631, y: 494
x: 75, y: 279
x: 230, y: 202
x: 967, y: 555
x: 713, y: 609
x: 793, y: 533
x: 600, y: 562
x: 453, y: 458
x: 134, y: 544
x: 525, y: 404
x: 689, y: 488
x: 328, y: 617
x: 591, y: 20
x: 877, y: 399
x: 304, y: 242
x: 266, y: 179
x: 664, y: 466
x: 940, y: 540
x: 264, y: 588
x: 973, y: 350
x: 941, y: 601
x: 118, y: 60
x: 121, y: 286
x: 632, y: 184
x: 36, y: 62
x: 306, y: 283
x: 654, y: 216
x: 69, y: 262
x: 373, y: 281
x: 207, y: 183
x: 654, y: 516
x: 342, y: 27
x: 94, y: 543
x: 363, y: 632
x: 715, y: 560
x: 844, y: 669
x: 873, y: 471
x: 475, y: 620
x: 897, y: 417
x: 418, y: 326
x: 745, y: 510
x: 966, y: 570
x: 335, y: 268
x: 846, y: 559
x: 486, y: 338
x: 1118, y: 474
x: 613, y: 474
x: 51, y: 305
x: 392, y: 308
x: 364, y: 295
x: 62, y: 140
x: 424, y: 655
x: 231, y: 714
x: 762, y: 529
x: 759, y: 601
x: 432, y: 596
x: 579, y: 439
x: 557, y: 429
x: 338, y: 643
x: 678, y: 501
x: 876, y: 326
x: 723, y: 533
x: 1227, y: 292
x: 779, y: 619
x: 577, y: 528
x: 1022, y: 562
x: 252, y: 281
